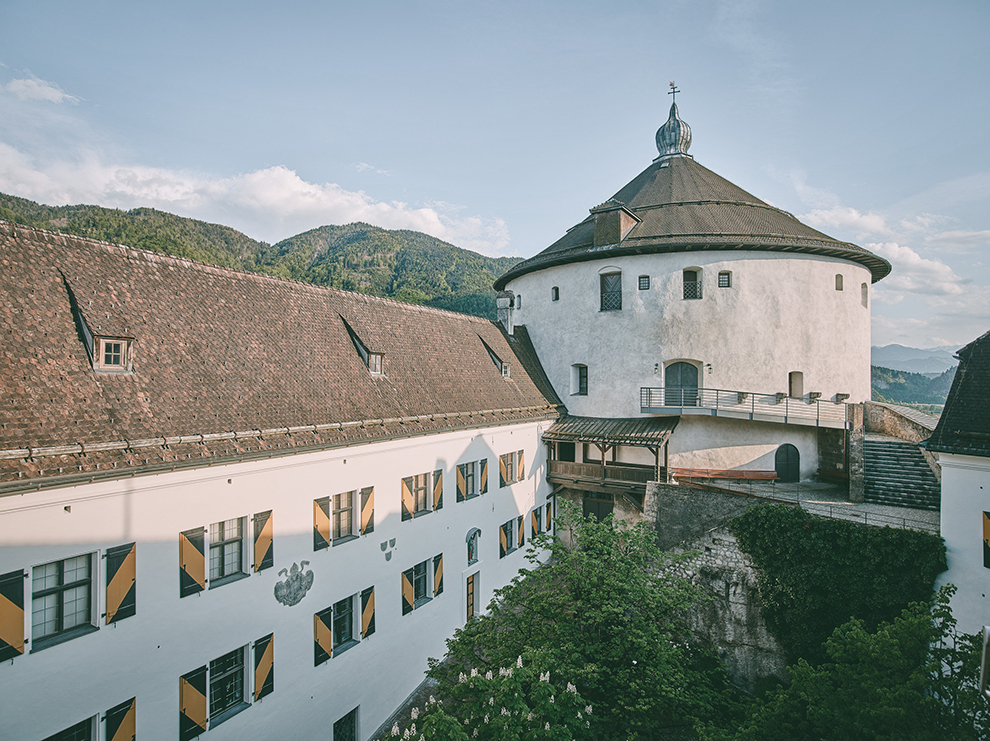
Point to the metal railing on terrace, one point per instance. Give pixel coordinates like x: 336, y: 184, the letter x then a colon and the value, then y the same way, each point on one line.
x: 779, y: 407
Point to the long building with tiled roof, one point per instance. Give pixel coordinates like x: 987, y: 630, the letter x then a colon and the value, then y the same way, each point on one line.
x: 223, y: 494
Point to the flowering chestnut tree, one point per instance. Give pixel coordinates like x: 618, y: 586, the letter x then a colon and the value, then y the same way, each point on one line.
x: 516, y: 703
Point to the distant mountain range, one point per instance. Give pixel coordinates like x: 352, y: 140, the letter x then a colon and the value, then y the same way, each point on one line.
x: 931, y: 361
x: 405, y: 265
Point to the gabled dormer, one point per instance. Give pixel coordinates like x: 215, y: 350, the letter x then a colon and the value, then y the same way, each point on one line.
x: 105, y: 332
x: 501, y: 365
x: 613, y: 222
x: 373, y: 359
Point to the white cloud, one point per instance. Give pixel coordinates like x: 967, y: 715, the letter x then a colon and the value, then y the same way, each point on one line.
x: 365, y: 167
x: 269, y: 204
x: 32, y: 88
x: 932, y: 280
x: 843, y: 217
x: 960, y: 239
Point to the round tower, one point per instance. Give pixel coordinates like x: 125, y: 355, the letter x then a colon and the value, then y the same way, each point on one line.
x: 685, y: 296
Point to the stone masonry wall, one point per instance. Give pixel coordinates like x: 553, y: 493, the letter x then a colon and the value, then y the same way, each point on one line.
x: 692, y: 520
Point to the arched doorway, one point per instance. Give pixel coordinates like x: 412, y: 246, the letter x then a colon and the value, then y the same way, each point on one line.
x: 681, y: 385
x: 787, y: 463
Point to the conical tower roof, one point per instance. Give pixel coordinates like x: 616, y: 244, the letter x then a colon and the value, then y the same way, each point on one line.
x: 683, y: 206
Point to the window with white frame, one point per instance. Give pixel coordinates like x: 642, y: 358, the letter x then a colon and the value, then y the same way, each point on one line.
x: 111, y: 354
x: 343, y: 515
x: 62, y: 599
x: 471, y: 585
x: 343, y: 624
x: 376, y: 362
x: 226, y: 550
x: 510, y: 536
x: 420, y: 492
x: 511, y: 468
x: 227, y: 683
x: 472, y: 479
x: 346, y: 729
x: 422, y: 583
x: 579, y: 379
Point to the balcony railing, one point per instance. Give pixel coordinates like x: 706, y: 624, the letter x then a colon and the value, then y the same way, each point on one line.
x: 742, y: 405
x: 615, y: 472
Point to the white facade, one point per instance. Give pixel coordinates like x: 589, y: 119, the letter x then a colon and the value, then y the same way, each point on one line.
x: 965, y: 527
x: 48, y: 690
x: 780, y: 314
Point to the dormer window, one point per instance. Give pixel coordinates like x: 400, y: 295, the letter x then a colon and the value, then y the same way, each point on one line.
x: 111, y: 354
x: 374, y: 360
x: 503, y: 367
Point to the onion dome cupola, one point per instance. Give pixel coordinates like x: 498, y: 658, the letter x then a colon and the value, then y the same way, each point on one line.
x: 678, y: 205
x: 674, y: 137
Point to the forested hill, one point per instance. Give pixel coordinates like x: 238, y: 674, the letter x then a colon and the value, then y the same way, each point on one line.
x: 902, y: 387
x: 405, y: 265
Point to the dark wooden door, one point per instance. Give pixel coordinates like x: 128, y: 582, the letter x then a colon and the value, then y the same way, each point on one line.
x: 681, y: 382
x: 788, y: 463
x: 597, y: 504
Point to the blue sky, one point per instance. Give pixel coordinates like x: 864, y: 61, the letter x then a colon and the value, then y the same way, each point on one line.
x: 497, y: 125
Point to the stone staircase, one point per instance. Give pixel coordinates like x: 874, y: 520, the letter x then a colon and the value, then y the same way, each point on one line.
x: 897, y: 474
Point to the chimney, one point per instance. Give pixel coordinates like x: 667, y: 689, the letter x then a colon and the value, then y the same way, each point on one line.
x: 505, y: 302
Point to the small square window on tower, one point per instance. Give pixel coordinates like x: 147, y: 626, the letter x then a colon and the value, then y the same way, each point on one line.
x: 644, y: 283
x: 725, y: 279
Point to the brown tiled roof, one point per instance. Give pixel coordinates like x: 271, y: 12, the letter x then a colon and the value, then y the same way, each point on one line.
x: 226, y: 364
x: 964, y: 427
x: 683, y: 207
x: 641, y: 431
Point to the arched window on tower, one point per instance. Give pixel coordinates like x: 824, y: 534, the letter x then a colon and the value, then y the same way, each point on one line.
x: 838, y: 281
x: 692, y: 283
x: 611, y: 291
x: 865, y: 297
x: 555, y: 294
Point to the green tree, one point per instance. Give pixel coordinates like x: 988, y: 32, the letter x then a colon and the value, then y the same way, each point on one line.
x: 518, y: 703
x: 914, y: 679
x: 606, y: 613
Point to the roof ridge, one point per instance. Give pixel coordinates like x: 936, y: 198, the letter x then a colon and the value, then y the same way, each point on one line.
x: 130, y: 252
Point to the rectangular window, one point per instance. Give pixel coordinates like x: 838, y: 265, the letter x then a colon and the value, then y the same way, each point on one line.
x: 644, y: 283
x: 343, y: 622
x: 611, y: 291
x: 343, y: 514
x: 345, y: 729
x: 725, y: 279
x: 62, y: 597
x: 421, y: 485
x: 226, y: 549
x: 692, y: 284
x: 510, y: 468
x: 420, y: 577
x: 986, y: 540
x: 471, y: 588
x: 507, y: 538
x: 226, y: 683
x: 985, y: 663
x: 110, y: 354
x: 582, y: 380
x: 471, y: 479
x: 375, y: 363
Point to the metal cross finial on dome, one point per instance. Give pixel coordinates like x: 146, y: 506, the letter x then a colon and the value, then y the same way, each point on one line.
x: 674, y: 137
